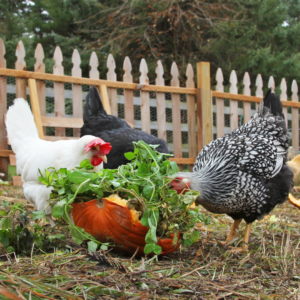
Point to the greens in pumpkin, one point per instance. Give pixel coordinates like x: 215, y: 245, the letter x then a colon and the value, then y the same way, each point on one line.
x: 144, y: 181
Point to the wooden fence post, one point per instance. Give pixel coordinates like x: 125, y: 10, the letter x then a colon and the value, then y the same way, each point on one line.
x: 3, y: 104
x: 39, y: 67
x: 204, y: 105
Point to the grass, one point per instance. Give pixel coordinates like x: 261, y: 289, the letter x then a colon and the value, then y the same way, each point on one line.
x: 207, y: 270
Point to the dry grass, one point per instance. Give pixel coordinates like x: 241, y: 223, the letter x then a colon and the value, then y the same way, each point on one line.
x: 270, y: 270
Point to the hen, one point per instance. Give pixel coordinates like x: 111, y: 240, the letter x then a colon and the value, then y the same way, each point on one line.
x: 244, y: 174
x: 34, y: 154
x: 114, y: 130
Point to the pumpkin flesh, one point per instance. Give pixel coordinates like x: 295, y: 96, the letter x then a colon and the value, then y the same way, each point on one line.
x: 294, y: 201
x: 110, y: 220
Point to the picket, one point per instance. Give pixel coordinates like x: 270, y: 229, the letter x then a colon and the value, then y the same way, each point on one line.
x: 145, y: 107
x: 220, y: 104
x: 112, y: 92
x: 283, y: 96
x: 191, y: 115
x: 234, y: 123
x: 247, y: 91
x: 295, y: 117
x: 161, y: 103
x: 176, y: 113
x: 59, y: 100
x: 77, y: 90
x: 128, y: 94
x: 20, y: 65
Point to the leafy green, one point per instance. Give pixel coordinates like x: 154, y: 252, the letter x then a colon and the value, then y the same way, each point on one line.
x: 145, y: 181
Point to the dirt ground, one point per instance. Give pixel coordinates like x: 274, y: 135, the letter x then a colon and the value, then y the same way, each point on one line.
x: 206, y: 270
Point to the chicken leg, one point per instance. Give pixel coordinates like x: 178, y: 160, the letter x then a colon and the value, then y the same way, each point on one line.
x: 244, y: 247
x: 232, y: 233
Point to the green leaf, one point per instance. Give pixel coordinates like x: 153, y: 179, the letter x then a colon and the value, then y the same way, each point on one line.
x: 174, y: 166
x: 77, y: 234
x: 133, y: 187
x: 38, y: 214
x: 149, y: 248
x: 86, y: 164
x: 92, y: 246
x: 148, y: 189
x: 195, y: 236
x: 4, y: 237
x: 78, y: 177
x: 130, y: 155
x: 58, y: 208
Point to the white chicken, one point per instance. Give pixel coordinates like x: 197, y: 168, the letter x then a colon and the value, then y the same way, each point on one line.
x: 34, y: 154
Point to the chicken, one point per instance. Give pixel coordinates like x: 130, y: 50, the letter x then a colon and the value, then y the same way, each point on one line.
x: 115, y: 131
x: 34, y: 154
x: 244, y: 174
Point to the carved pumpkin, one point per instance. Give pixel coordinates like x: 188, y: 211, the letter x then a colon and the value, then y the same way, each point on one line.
x: 294, y: 201
x: 110, y: 219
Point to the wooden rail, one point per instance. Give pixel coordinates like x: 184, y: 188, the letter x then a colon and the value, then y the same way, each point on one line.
x: 97, y: 82
x: 255, y: 99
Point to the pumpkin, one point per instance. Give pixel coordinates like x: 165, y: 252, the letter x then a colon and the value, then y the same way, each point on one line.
x: 110, y: 219
x: 294, y: 201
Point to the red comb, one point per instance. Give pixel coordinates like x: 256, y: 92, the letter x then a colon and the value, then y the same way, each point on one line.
x: 105, y: 147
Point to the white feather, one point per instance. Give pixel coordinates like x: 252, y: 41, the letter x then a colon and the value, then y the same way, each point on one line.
x: 33, y: 154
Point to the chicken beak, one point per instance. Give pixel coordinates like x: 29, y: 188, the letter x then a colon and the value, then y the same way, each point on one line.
x: 103, y: 157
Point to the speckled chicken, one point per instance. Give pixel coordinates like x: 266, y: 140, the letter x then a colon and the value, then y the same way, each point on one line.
x: 244, y: 174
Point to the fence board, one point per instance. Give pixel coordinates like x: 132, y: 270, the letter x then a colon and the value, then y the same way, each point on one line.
x: 176, y: 113
x: 295, y: 117
x: 247, y: 92
x: 234, y: 122
x: 96, y: 82
x: 3, y: 105
x: 220, y: 104
x: 191, y: 115
x: 77, y: 90
x: 161, y: 103
x: 128, y: 94
x: 59, y: 99
x: 20, y: 65
x: 112, y: 92
x: 283, y: 96
x: 145, y: 107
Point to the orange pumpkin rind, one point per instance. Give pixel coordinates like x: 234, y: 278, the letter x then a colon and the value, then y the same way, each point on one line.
x: 294, y: 201
x: 110, y: 220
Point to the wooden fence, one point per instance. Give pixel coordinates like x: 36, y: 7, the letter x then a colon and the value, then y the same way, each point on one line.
x: 198, y: 114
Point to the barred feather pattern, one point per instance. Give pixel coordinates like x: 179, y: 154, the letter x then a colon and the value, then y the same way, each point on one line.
x: 234, y: 173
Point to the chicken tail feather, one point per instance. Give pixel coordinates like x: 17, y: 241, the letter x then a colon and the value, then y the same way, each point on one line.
x: 20, y: 124
x: 93, y: 105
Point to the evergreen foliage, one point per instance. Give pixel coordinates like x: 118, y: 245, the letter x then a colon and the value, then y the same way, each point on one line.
x: 254, y: 36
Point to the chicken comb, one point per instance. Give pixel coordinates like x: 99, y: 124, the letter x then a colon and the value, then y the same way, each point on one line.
x: 105, y: 147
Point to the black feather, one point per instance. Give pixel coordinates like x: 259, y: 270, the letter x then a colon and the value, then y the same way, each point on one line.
x: 115, y: 131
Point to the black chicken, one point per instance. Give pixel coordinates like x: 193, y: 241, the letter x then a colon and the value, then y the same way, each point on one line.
x: 244, y: 174
x: 114, y: 131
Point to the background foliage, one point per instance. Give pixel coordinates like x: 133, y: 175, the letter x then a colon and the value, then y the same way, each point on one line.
x: 254, y: 36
